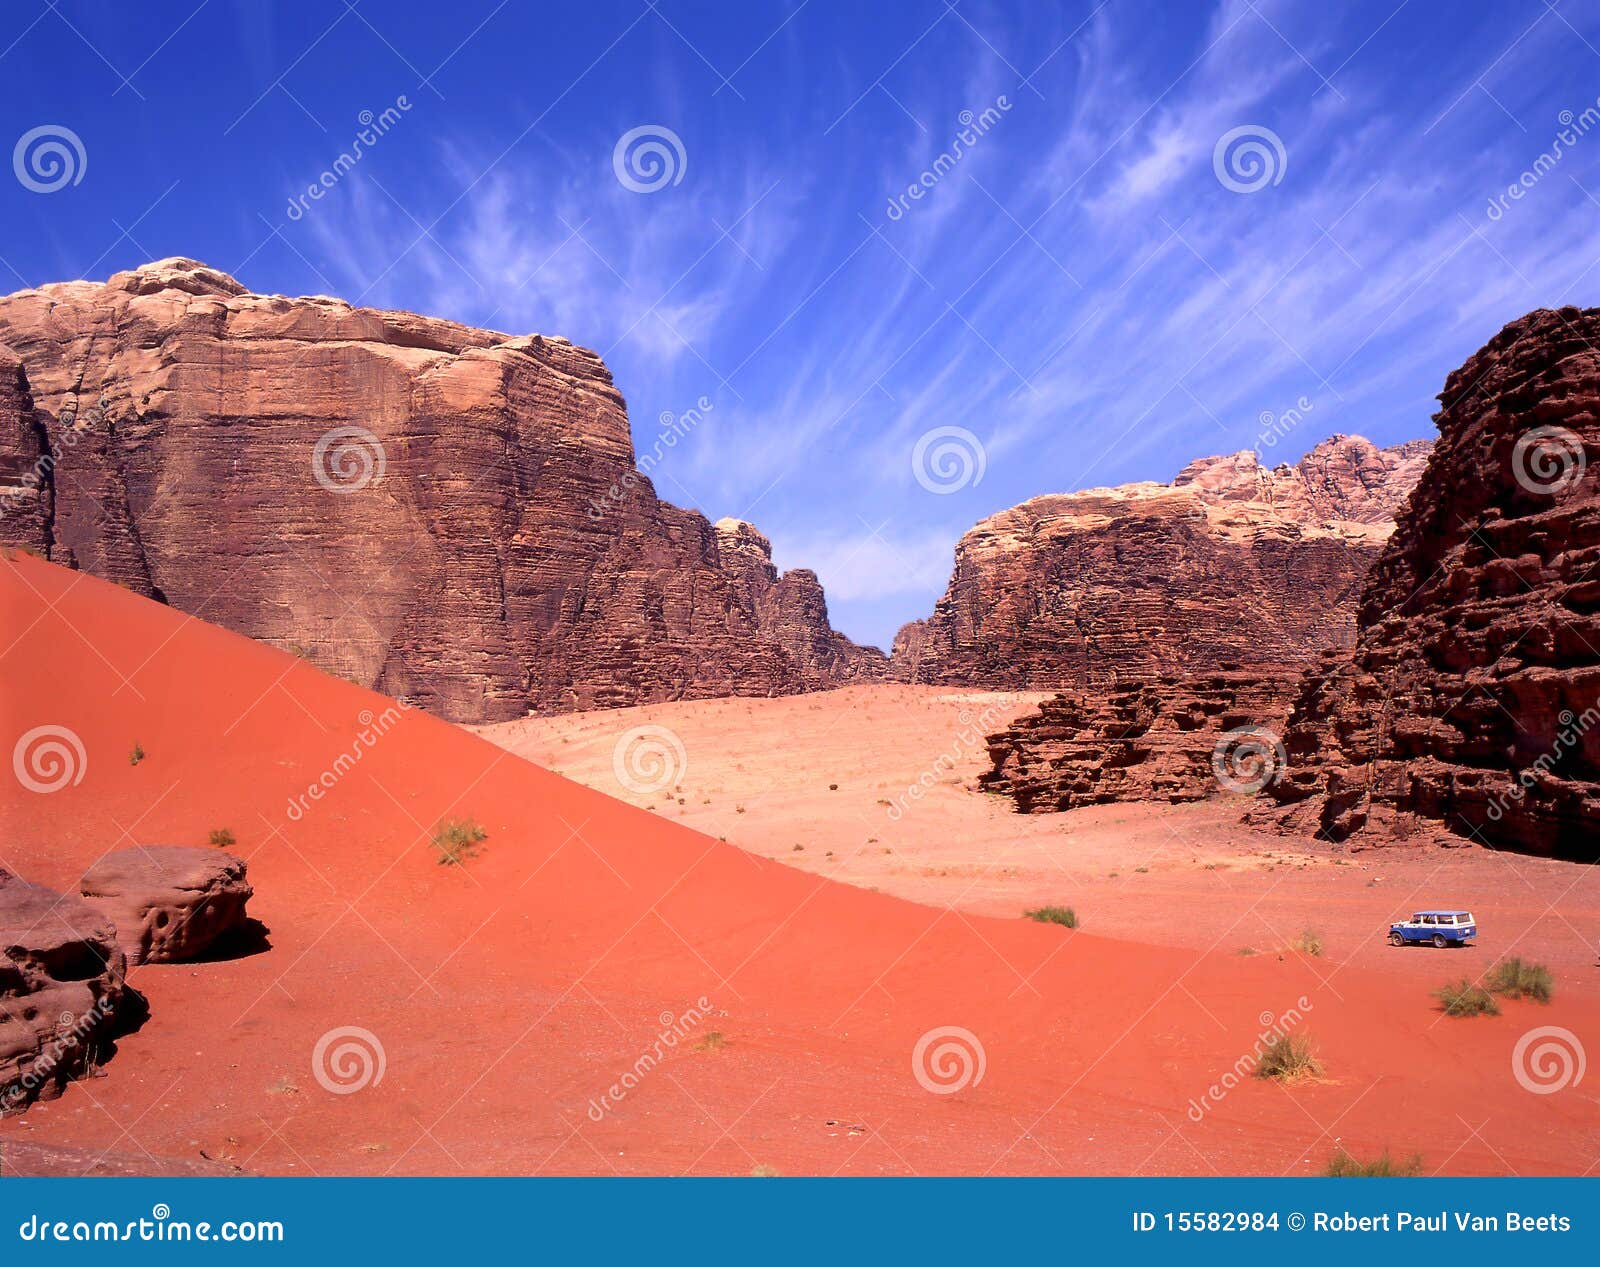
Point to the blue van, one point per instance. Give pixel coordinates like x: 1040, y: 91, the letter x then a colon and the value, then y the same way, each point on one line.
x: 1442, y: 928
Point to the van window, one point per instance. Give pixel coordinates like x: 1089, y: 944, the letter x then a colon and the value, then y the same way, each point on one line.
x: 1430, y: 919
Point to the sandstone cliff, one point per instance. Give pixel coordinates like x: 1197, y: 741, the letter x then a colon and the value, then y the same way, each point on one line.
x: 1470, y: 702
x: 1174, y: 739
x: 444, y: 513
x: 1232, y: 562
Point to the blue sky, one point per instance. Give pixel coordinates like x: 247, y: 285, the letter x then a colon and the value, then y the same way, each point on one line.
x: 1086, y: 286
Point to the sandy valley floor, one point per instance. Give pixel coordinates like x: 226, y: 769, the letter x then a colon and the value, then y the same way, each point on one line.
x: 822, y: 782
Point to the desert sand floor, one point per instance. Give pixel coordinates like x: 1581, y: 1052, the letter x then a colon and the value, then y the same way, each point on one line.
x: 822, y: 782
x: 603, y: 989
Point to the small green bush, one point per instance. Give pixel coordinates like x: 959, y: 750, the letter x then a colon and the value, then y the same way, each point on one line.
x: 1309, y: 942
x: 137, y: 755
x: 1518, y: 979
x: 1288, y: 1058
x: 221, y: 837
x: 1063, y: 915
x: 1462, y: 998
x: 456, y: 840
x: 1343, y: 1166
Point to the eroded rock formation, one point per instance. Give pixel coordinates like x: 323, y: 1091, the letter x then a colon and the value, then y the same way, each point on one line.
x: 1472, y: 699
x: 1173, y: 739
x: 444, y: 513
x: 168, y: 903
x: 1232, y: 562
x: 25, y: 479
x: 62, y: 991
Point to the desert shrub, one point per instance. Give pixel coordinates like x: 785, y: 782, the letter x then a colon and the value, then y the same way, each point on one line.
x: 713, y: 1041
x: 1308, y: 943
x: 1462, y: 998
x: 137, y: 754
x: 1518, y: 979
x: 1287, y: 1058
x: 221, y: 837
x: 1063, y: 915
x: 764, y: 1172
x: 1343, y: 1166
x: 456, y: 840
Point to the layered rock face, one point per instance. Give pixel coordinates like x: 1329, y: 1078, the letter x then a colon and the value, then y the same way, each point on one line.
x: 63, y: 993
x: 25, y: 479
x: 1470, y: 702
x: 1174, y: 739
x: 1232, y: 562
x: 169, y: 903
x: 443, y: 513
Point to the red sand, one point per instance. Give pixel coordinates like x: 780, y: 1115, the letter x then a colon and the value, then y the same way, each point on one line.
x: 510, y: 993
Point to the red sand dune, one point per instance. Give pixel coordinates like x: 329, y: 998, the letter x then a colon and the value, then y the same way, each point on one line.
x: 509, y: 994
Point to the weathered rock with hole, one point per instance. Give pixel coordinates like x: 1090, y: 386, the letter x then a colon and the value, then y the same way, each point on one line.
x: 63, y: 992
x: 169, y: 903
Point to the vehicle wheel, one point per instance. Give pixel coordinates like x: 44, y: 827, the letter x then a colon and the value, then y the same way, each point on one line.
x: 1440, y: 940
x: 1396, y: 940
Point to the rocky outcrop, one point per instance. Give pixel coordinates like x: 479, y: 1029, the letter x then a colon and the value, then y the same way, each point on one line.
x: 1173, y: 739
x: 168, y: 903
x: 1471, y: 702
x: 25, y: 479
x: 444, y: 513
x: 1232, y: 562
x: 63, y: 995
